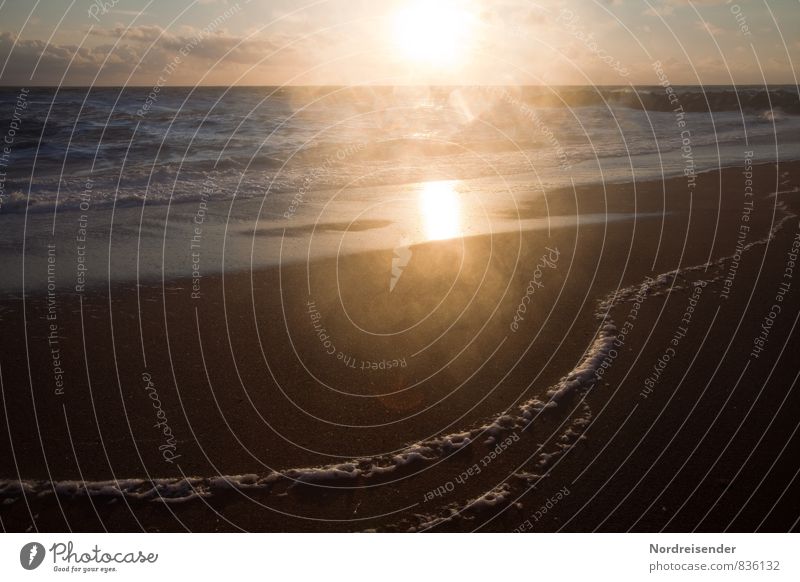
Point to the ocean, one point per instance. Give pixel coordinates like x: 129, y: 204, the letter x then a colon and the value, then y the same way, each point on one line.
x: 283, y: 174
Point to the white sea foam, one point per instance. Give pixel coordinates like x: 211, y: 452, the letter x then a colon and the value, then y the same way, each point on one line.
x: 580, y: 379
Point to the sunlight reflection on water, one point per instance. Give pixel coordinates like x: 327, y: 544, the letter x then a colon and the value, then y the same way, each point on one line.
x: 440, y: 207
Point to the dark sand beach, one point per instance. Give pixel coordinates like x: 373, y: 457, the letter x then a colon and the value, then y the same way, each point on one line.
x: 310, y: 397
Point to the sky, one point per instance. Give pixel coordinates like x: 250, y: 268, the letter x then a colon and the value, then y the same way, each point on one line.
x: 387, y: 42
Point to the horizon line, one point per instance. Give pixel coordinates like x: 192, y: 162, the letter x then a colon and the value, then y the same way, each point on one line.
x: 333, y: 85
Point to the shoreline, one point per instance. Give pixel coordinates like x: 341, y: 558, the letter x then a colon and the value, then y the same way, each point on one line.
x: 664, y: 174
x: 550, y: 209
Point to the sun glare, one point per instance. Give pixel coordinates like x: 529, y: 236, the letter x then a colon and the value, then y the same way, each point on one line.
x: 435, y: 32
x: 441, y: 210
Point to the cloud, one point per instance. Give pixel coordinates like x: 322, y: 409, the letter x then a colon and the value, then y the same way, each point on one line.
x: 199, y: 43
x: 138, y: 55
x: 667, y: 7
x: 709, y: 27
x: 22, y: 57
x: 515, y: 40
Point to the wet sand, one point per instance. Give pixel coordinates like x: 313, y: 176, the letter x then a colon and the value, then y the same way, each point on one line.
x: 320, y: 364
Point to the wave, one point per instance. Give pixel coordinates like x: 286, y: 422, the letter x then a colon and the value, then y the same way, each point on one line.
x: 369, y: 136
x: 653, y: 98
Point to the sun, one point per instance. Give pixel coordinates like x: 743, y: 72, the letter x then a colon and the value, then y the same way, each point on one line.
x: 433, y: 32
